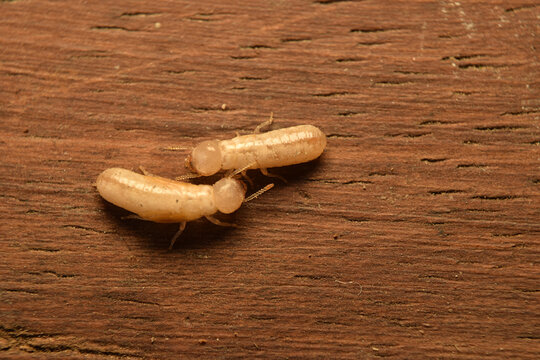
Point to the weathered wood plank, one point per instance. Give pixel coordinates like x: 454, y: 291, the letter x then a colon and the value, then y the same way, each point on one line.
x: 415, y: 235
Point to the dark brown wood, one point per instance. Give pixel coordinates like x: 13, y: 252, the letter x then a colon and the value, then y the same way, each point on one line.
x: 416, y: 235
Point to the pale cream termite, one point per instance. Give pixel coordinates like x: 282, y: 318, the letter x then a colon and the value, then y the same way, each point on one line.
x: 163, y: 200
x: 288, y: 146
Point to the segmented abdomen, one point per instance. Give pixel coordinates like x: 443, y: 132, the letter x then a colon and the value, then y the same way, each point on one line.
x: 288, y: 146
x: 155, y: 198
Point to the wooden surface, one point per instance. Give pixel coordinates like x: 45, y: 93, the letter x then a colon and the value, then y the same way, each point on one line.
x: 416, y: 235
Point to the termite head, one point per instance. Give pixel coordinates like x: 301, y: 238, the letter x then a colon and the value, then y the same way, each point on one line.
x: 205, y: 159
x: 229, y: 194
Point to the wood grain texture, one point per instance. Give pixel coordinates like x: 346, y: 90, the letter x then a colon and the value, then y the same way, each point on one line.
x: 416, y: 235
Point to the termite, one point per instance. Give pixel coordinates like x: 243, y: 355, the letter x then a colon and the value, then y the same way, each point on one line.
x: 288, y: 146
x: 162, y: 200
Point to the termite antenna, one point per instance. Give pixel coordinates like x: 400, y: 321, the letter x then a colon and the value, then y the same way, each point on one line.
x: 187, y: 177
x: 175, y: 148
x: 259, y: 193
x: 236, y: 172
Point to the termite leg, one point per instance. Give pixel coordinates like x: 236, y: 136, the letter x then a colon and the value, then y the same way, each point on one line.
x: 264, y: 124
x: 177, y: 235
x: 233, y: 172
x: 215, y: 221
x: 244, y: 175
x: 143, y: 171
x: 132, y: 217
x: 266, y: 173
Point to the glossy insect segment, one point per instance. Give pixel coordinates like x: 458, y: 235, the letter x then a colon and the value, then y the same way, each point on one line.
x: 162, y: 200
x: 288, y: 146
